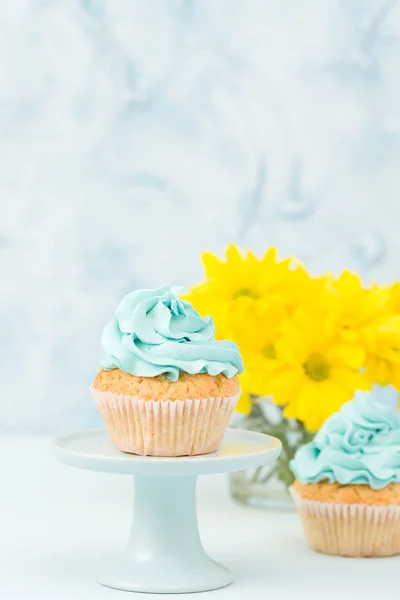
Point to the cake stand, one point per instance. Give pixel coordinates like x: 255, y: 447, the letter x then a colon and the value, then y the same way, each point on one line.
x: 164, y: 553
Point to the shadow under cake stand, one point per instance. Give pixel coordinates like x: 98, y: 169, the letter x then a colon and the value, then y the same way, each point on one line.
x: 164, y: 553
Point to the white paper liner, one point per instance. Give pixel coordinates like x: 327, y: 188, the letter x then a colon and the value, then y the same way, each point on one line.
x: 349, y: 529
x: 165, y: 427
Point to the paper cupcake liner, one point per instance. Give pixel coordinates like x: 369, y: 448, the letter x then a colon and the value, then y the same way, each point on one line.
x: 165, y: 427
x: 349, y: 529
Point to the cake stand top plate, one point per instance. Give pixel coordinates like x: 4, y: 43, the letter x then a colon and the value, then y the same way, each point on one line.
x: 93, y: 450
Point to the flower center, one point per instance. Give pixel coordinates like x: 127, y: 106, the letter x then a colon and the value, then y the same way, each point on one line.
x: 269, y: 351
x: 246, y: 292
x: 317, y: 367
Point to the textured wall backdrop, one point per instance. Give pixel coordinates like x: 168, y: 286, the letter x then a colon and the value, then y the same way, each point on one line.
x: 134, y: 133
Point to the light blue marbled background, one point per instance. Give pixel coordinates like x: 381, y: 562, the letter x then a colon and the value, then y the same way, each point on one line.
x: 133, y: 134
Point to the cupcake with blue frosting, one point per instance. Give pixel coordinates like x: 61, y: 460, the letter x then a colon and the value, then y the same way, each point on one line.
x: 347, y: 488
x: 166, y: 386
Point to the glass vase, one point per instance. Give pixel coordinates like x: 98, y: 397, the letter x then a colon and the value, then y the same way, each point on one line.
x: 268, y: 486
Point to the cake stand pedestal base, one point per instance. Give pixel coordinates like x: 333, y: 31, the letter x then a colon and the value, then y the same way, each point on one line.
x: 164, y: 553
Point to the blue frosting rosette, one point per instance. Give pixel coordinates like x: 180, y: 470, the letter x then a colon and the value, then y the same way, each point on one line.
x: 358, y: 445
x: 154, y: 332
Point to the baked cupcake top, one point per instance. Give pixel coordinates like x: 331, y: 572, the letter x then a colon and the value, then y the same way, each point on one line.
x: 154, y: 332
x: 358, y: 445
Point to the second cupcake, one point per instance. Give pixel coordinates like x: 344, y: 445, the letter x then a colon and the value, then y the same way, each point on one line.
x: 167, y: 387
x: 347, y: 487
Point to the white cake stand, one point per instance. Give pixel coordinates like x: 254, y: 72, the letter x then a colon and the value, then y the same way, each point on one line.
x: 164, y: 553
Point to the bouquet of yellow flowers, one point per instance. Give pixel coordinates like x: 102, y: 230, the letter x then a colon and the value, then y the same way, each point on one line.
x: 307, y: 342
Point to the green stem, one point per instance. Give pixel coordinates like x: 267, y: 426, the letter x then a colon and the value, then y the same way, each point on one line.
x: 284, y: 473
x: 267, y: 477
x: 285, y: 445
x: 257, y: 472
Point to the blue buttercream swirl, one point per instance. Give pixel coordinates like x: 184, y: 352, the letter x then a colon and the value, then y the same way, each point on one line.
x: 359, y: 444
x: 154, y: 332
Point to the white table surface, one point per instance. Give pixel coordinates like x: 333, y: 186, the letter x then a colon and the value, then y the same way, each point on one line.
x: 58, y: 524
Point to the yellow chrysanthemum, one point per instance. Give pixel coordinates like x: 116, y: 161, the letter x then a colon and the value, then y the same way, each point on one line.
x: 383, y: 357
x: 242, y: 275
x: 254, y: 326
x: 318, y: 371
x: 303, y: 339
x: 355, y: 307
x: 308, y: 292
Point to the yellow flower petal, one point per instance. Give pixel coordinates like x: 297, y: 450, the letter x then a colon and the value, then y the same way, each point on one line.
x: 244, y: 404
x: 351, y: 355
x: 348, y: 379
x: 233, y: 255
x: 270, y: 255
x: 349, y: 335
x: 289, y: 412
x: 284, y: 386
x: 212, y: 265
x: 382, y: 372
x: 317, y: 401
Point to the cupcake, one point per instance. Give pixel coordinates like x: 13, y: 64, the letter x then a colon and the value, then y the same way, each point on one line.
x: 347, y: 487
x: 166, y: 387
